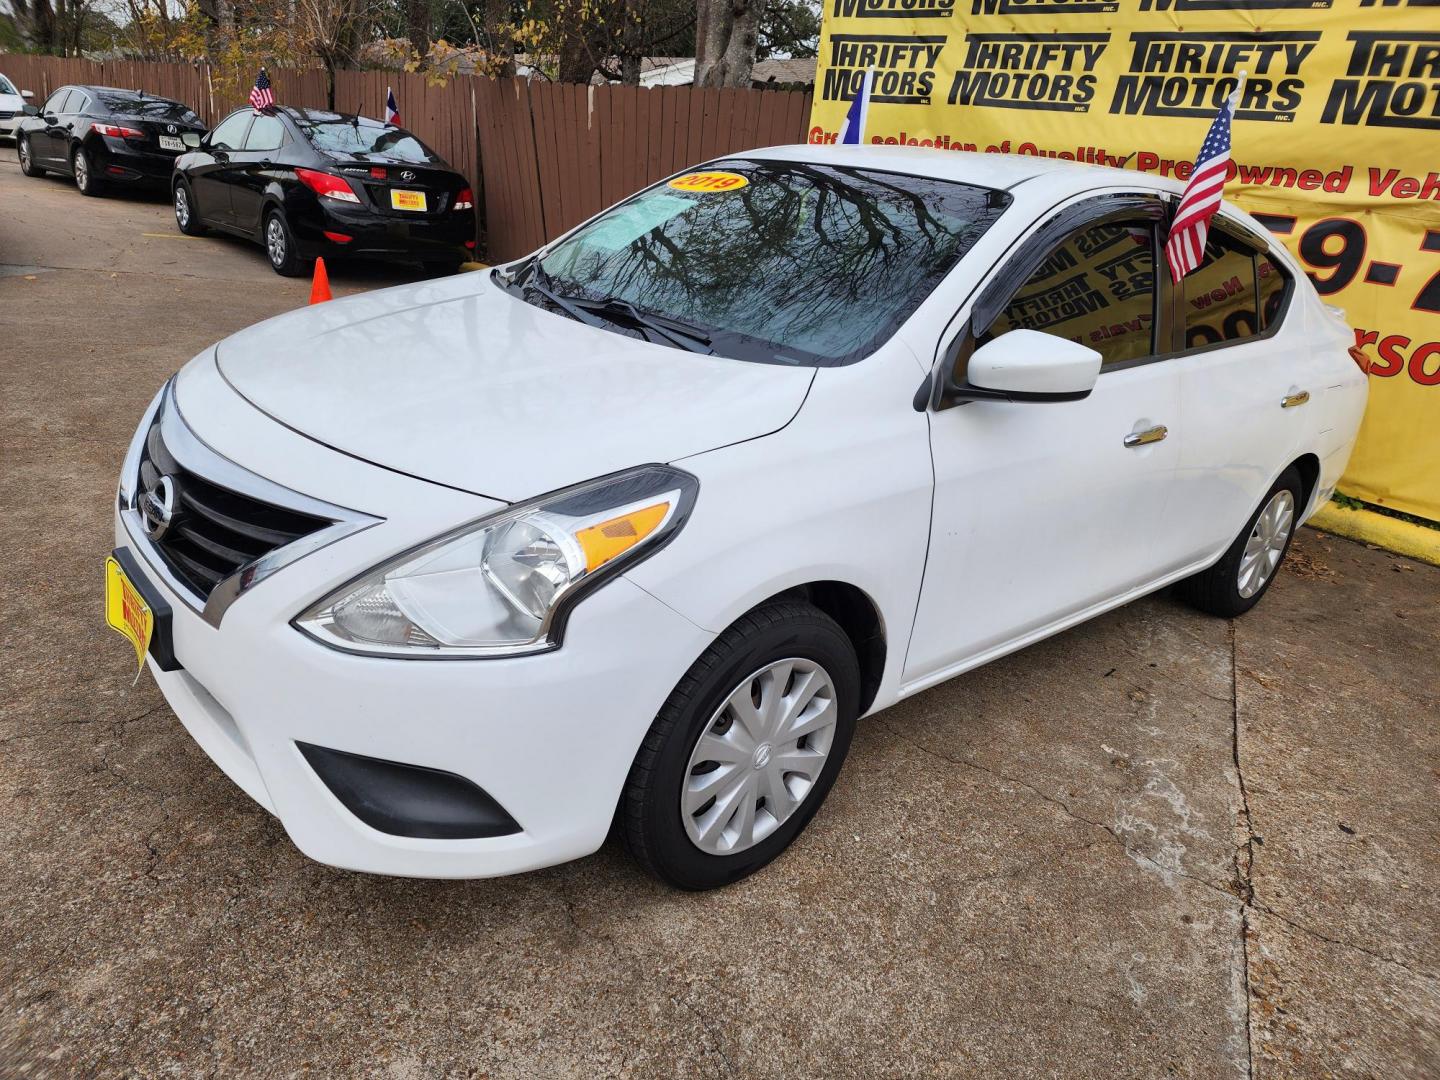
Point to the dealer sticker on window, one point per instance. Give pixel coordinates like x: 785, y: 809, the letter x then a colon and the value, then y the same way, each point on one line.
x: 709, y: 181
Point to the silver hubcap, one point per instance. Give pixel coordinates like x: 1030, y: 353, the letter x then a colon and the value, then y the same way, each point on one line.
x: 759, y: 756
x: 275, y: 241
x: 1266, y: 544
x: 82, y: 171
x: 25, y: 152
x: 182, y: 207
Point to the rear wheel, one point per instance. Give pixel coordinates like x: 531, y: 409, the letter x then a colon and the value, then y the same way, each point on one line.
x: 1236, y: 583
x: 27, y: 159
x: 280, y: 246
x: 744, y: 750
x: 84, y: 169
x: 185, y: 216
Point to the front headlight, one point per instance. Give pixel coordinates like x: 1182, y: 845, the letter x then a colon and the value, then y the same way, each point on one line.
x: 502, y: 585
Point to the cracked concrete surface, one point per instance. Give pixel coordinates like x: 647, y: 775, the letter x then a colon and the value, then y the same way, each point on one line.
x: 1160, y: 844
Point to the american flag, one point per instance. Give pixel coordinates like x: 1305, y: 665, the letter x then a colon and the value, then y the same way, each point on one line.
x: 1185, y: 249
x: 260, y: 96
x: 392, y: 109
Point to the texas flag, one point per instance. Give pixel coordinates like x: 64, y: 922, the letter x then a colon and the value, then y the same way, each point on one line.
x: 392, y: 110
x: 853, y: 129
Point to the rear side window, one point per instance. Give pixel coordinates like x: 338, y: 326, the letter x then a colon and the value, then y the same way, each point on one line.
x: 55, y: 103
x: 1273, y: 284
x: 1220, y: 295
x: 231, y: 132
x: 79, y: 102
x: 1097, y: 288
x: 266, y: 133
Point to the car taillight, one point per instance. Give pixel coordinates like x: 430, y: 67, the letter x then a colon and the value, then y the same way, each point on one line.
x: 328, y: 186
x: 115, y: 131
x: 465, y: 200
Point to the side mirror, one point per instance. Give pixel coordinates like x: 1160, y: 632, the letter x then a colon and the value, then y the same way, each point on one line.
x: 191, y: 139
x: 1026, y: 365
x: 30, y: 110
x: 27, y: 94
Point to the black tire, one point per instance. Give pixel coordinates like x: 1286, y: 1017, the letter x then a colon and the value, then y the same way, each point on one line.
x: 187, y: 220
x: 289, y: 264
x: 1217, y: 591
x: 650, y: 819
x: 27, y: 161
x: 83, y: 169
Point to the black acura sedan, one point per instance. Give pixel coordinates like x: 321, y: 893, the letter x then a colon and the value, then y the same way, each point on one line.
x: 303, y: 182
x: 102, y: 135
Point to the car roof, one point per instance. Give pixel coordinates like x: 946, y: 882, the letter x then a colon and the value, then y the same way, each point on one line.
x: 1003, y: 171
x: 325, y: 116
x: 123, y: 92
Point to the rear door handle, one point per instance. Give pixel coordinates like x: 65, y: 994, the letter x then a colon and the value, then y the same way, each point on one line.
x: 1289, y: 401
x: 1146, y: 437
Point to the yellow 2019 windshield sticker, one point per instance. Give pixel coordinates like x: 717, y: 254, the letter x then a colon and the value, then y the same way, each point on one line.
x: 709, y: 181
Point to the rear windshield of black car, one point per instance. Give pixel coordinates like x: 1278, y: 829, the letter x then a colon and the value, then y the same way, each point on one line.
x: 365, y: 139
x: 148, y: 108
x: 796, y: 263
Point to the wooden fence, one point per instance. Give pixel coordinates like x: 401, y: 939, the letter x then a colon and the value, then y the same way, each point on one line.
x: 546, y: 155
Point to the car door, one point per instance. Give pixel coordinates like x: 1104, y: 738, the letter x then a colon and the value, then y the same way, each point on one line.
x: 210, y: 175
x: 1246, y: 387
x: 251, y: 169
x: 52, y: 145
x: 1046, y: 510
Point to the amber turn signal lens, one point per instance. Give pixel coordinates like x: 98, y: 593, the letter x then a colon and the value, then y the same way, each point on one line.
x: 605, y: 541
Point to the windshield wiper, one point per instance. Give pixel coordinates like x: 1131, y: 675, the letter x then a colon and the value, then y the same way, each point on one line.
x: 673, y: 331
x: 539, y: 280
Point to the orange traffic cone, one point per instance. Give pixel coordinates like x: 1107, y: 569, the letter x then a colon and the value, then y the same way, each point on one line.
x: 320, y: 287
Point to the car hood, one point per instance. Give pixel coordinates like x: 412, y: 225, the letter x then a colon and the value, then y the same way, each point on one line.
x: 11, y: 102
x: 461, y: 383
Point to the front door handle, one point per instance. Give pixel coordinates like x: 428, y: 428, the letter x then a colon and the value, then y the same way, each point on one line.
x: 1289, y: 401
x: 1146, y: 437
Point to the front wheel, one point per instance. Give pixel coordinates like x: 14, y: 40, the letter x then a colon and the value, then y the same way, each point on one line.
x: 745, y: 749
x: 280, y: 246
x: 27, y: 158
x: 85, y: 178
x: 1235, y: 584
x: 185, y: 216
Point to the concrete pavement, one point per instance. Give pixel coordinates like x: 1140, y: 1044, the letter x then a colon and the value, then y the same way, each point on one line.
x: 1159, y: 844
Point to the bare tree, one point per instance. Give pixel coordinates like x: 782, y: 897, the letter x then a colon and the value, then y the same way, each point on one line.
x: 727, y: 33
x: 332, y: 31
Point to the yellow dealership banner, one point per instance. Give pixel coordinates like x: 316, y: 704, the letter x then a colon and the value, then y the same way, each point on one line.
x: 1336, y: 144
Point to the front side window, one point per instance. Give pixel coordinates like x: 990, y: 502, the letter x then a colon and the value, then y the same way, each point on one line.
x: 79, y: 102
x: 7, y: 87
x: 230, y: 134
x: 1220, y: 300
x: 1096, y: 288
x: 778, y: 261
x: 266, y: 133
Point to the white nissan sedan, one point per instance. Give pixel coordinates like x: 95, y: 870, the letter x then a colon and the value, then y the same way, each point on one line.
x: 455, y: 577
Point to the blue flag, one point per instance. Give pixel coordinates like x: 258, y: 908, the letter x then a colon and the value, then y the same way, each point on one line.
x: 853, y: 130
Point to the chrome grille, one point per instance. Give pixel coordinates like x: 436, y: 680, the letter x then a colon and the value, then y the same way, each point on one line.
x: 215, y: 532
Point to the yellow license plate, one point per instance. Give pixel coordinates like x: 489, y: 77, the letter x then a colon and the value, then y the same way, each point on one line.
x: 407, y: 200
x: 126, y: 610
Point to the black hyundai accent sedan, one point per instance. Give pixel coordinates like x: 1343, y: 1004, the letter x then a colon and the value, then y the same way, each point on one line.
x: 102, y: 135
x: 303, y: 182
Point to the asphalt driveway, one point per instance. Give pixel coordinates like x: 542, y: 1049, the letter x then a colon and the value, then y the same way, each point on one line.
x: 1159, y: 844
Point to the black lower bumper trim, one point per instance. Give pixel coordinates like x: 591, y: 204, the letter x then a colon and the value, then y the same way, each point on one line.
x: 409, y: 800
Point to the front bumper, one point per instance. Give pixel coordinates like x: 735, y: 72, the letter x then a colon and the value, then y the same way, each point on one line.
x: 549, y: 737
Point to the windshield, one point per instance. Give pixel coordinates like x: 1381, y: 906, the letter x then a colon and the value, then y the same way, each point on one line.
x: 790, y: 262
x: 361, y: 138
x: 150, y: 108
x: 7, y: 87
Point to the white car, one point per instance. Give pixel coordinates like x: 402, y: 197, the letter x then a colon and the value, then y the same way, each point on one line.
x: 454, y: 576
x: 12, y: 106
